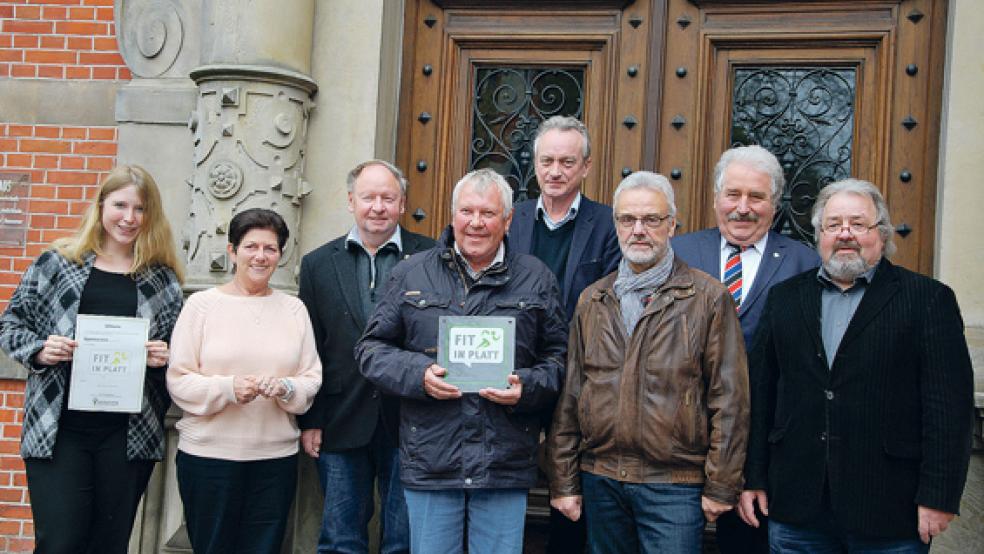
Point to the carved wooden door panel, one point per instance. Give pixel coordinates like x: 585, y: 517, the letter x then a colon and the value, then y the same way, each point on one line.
x: 834, y: 89
x: 479, y: 76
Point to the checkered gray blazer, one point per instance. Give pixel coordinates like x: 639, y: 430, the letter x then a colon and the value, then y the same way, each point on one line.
x: 46, y: 303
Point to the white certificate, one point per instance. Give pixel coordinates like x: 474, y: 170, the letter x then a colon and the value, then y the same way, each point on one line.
x: 109, y: 364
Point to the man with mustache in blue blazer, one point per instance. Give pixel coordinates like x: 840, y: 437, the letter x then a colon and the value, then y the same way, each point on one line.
x: 749, y: 258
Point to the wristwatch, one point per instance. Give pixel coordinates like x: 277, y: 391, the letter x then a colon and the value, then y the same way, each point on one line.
x: 288, y: 390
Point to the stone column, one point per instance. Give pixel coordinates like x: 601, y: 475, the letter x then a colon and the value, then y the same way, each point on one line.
x: 250, y: 128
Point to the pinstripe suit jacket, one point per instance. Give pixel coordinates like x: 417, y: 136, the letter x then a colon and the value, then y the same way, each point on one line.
x: 46, y: 303
x: 888, y: 426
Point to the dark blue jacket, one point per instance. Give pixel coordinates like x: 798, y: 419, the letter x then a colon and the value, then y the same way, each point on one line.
x: 783, y: 258
x: 468, y: 442
x: 594, y: 246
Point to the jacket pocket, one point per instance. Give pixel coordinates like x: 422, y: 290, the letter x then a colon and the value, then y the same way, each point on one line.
x: 423, y: 300
x: 520, y: 303
x: 431, y: 440
x: 690, y: 428
x: 421, y: 315
x: 527, y: 311
x: 515, y: 442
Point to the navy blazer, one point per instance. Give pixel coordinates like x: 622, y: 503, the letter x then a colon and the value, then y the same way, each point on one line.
x: 347, y: 408
x: 594, y: 247
x: 887, y: 427
x: 783, y: 258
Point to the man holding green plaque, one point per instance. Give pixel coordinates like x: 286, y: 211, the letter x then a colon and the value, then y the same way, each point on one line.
x: 469, y: 455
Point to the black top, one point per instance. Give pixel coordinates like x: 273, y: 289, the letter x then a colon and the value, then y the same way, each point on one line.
x: 553, y: 247
x: 105, y: 293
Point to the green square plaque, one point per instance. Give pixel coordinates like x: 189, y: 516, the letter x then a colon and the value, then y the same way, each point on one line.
x: 477, y: 351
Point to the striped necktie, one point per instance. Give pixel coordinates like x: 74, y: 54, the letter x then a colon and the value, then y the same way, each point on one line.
x: 732, y: 273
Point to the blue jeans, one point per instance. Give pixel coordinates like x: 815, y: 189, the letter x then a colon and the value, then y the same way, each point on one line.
x: 824, y: 537
x: 495, y: 520
x: 347, y: 482
x: 641, y: 517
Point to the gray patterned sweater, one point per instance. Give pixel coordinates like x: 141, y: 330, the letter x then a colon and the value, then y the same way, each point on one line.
x: 46, y: 303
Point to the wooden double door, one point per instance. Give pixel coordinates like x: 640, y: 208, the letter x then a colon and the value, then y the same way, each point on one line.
x: 833, y: 88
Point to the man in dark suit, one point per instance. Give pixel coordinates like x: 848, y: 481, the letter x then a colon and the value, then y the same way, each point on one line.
x: 748, y: 184
x: 575, y: 237
x: 351, y: 429
x: 749, y: 258
x: 862, y: 394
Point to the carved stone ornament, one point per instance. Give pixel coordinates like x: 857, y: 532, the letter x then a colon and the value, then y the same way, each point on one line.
x: 151, y: 35
x: 224, y: 179
x: 249, y: 132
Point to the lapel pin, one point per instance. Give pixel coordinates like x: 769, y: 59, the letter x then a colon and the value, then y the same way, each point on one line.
x: 775, y: 254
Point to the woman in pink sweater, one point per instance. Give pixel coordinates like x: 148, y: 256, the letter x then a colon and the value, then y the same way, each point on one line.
x: 243, y: 364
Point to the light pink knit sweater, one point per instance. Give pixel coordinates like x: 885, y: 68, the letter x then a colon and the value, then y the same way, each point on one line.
x: 219, y: 336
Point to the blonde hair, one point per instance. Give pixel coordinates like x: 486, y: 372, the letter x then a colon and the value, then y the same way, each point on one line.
x: 154, y: 244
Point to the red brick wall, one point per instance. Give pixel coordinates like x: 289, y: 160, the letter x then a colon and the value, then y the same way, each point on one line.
x: 59, y: 39
x: 16, y: 527
x: 66, y: 165
x: 53, y: 40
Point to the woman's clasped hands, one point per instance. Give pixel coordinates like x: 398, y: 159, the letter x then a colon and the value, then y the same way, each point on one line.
x: 248, y: 387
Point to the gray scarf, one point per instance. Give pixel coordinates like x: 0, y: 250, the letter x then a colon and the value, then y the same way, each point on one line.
x: 631, y: 288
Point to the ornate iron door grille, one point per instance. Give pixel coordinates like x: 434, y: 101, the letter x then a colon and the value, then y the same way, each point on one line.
x: 805, y: 116
x: 509, y: 104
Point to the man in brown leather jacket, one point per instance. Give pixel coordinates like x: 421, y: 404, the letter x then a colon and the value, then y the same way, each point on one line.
x: 650, y: 430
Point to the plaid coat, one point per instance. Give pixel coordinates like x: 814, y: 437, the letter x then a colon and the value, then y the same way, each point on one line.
x: 46, y: 303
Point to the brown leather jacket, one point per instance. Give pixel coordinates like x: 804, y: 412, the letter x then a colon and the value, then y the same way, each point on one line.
x: 668, y: 404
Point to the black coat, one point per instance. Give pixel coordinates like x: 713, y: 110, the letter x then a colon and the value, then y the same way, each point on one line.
x: 889, y: 424
x: 468, y: 442
x: 347, y: 408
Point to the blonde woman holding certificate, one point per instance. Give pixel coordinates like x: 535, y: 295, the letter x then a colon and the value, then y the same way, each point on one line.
x: 86, y: 470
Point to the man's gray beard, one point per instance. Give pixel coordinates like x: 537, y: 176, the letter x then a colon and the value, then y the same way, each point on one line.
x: 846, y: 270
x: 646, y: 260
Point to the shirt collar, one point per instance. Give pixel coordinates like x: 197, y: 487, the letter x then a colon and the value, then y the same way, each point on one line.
x: 863, y: 279
x: 500, y: 256
x: 758, y: 245
x: 571, y: 212
x: 354, y: 239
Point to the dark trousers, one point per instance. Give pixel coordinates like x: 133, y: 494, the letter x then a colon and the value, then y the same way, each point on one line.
x: 236, y: 507
x: 85, y: 497
x: 566, y: 536
x: 734, y: 536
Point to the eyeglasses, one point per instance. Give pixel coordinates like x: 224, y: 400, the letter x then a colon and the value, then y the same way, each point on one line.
x: 856, y: 228
x: 651, y: 221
